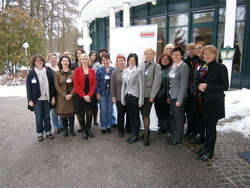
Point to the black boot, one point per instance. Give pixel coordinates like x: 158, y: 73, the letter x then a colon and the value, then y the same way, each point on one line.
x: 71, y: 129
x: 198, y: 139
x: 65, y: 126
x: 146, y: 137
x: 90, y: 134
x: 85, y: 135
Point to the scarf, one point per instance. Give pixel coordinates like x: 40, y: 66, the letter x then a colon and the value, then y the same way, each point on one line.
x: 44, y: 84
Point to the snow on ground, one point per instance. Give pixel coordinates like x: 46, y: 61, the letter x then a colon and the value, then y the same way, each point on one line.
x: 237, y: 108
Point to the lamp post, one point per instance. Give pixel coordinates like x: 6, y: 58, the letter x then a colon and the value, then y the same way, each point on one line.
x: 25, y: 46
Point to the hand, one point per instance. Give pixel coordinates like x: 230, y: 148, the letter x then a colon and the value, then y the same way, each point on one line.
x: 140, y: 105
x: 98, y: 96
x: 168, y: 100
x: 203, y: 87
x: 151, y: 99
x: 53, y: 101
x: 123, y: 104
x: 31, y: 103
x: 177, y: 104
x: 114, y: 101
x: 87, y: 98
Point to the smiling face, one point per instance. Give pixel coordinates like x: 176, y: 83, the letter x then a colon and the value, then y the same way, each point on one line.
x: 39, y: 63
x: 177, y: 57
x: 209, y: 56
x: 93, y: 57
x: 84, y: 59
x: 131, y: 62
x: 65, y: 62
x: 149, y: 55
x: 53, y: 60
x: 121, y: 63
x: 198, y: 49
x: 165, y: 60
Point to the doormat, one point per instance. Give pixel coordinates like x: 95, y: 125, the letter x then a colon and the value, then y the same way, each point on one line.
x: 244, y: 155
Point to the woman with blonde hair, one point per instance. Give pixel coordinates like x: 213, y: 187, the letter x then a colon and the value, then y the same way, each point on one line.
x: 152, y: 74
x: 168, y: 49
x: 84, y: 89
x: 213, y: 81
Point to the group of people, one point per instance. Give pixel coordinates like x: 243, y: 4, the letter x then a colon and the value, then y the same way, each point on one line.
x: 187, y: 90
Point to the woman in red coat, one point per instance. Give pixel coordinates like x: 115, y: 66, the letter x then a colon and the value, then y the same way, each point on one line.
x: 84, y: 89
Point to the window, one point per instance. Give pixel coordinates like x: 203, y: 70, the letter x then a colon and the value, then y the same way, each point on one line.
x: 178, y: 29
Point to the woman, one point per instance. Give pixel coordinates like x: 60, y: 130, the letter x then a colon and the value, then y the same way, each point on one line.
x: 64, y: 103
x: 94, y: 65
x: 178, y: 83
x: 84, y: 89
x: 194, y: 100
x: 103, y: 75
x: 55, y: 120
x: 41, y: 95
x: 168, y: 49
x: 162, y: 107
x: 115, y: 90
x: 78, y: 53
x: 152, y: 74
x: 132, y: 95
x: 213, y: 82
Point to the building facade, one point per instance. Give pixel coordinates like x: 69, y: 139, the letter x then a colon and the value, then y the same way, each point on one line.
x: 179, y: 22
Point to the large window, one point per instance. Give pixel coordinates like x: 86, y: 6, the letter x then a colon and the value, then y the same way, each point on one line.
x: 178, y: 29
x: 160, y: 21
x: 203, y: 27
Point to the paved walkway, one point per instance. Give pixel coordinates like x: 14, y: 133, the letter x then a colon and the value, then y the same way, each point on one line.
x: 108, y: 161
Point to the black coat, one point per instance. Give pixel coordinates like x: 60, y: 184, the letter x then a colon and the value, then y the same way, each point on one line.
x: 213, y: 102
x: 33, y: 89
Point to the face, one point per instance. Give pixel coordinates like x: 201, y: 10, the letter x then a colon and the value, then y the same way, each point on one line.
x: 198, y: 50
x: 121, y: 63
x: 131, y: 62
x: 85, y: 61
x: 78, y: 53
x: 93, y: 57
x: 149, y: 56
x: 191, y: 52
x: 164, y: 60
x: 168, y: 50
x: 65, y: 62
x: 105, y: 62
x: 66, y: 53
x: 53, y: 60
x: 39, y: 63
x: 177, y: 57
x: 208, y: 56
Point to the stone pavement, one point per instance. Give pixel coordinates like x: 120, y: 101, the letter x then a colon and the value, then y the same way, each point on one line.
x: 108, y: 161
x: 232, y: 170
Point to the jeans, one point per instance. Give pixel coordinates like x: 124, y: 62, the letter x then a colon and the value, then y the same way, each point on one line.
x: 106, y: 106
x: 55, y: 119
x: 113, y: 120
x: 42, y: 115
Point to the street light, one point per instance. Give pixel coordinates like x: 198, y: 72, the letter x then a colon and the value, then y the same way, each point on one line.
x: 25, y: 46
x: 227, y: 53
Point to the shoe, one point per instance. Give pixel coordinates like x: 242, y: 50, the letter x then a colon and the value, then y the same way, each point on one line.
x: 40, y: 138
x: 121, y: 135
x: 205, y: 157
x: 103, y: 131
x: 202, y: 152
x: 129, y: 138
x: 170, y: 140
x: 79, y: 130
x: 96, y: 123
x: 133, y: 139
x: 49, y: 136
x: 174, y: 143
x: 72, y: 132
x: 108, y: 130
x: 146, y: 140
x: 90, y: 133
x: 85, y: 135
x: 66, y: 133
x: 57, y: 131
x: 114, y: 126
x: 61, y: 129
x: 199, y: 139
x: 142, y: 136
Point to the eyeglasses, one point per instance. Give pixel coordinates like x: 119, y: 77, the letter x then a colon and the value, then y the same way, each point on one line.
x: 38, y: 61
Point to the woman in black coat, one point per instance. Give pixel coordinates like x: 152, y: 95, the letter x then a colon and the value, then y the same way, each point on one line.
x: 213, y: 83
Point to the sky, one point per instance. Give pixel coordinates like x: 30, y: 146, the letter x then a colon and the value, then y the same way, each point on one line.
x: 236, y: 103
